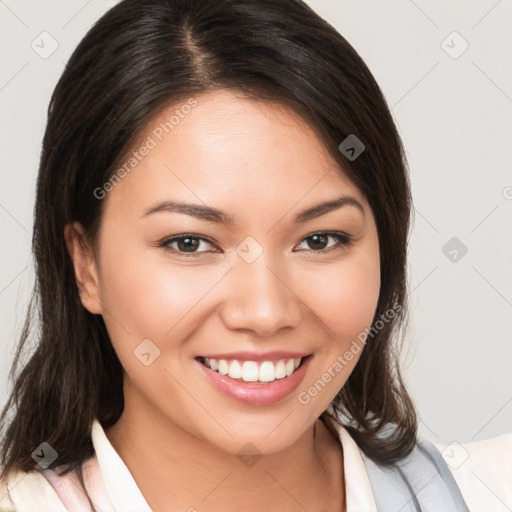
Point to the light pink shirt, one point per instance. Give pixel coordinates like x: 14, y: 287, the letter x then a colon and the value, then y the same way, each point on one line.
x: 484, y: 478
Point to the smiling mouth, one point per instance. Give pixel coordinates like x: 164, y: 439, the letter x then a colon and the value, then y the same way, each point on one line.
x: 252, y: 371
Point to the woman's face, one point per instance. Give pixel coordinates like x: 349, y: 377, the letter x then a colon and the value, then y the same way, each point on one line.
x: 249, y: 293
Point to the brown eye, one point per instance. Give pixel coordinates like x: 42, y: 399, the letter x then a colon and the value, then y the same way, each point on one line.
x: 318, y: 242
x: 186, y: 244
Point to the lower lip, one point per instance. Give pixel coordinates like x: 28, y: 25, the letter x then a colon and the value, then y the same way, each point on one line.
x: 257, y: 393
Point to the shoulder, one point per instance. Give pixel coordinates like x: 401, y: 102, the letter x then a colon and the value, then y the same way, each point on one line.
x: 45, y: 490
x: 483, y: 471
x: 21, y: 491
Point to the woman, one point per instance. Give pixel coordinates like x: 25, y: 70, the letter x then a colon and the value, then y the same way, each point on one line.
x: 220, y: 239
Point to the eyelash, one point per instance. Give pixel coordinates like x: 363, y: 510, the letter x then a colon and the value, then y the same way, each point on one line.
x: 344, y: 240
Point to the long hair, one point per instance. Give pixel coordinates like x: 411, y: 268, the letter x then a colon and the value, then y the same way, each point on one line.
x: 140, y: 57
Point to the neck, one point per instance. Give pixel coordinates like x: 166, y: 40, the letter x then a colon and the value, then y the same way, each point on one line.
x: 188, y: 473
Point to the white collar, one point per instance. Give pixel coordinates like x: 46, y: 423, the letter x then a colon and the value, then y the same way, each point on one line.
x: 126, y: 496
x: 358, y: 490
x: 119, y: 482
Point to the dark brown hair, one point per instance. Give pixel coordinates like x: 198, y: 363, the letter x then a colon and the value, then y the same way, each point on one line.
x: 140, y: 57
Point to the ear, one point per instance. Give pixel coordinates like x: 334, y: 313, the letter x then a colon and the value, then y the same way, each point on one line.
x: 84, y: 263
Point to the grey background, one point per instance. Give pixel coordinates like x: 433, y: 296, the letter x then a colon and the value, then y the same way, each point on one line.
x: 454, y: 113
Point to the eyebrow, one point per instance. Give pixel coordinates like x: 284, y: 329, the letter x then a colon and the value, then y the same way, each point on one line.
x: 210, y: 214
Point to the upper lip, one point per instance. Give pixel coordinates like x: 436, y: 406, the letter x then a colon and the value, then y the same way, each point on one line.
x: 254, y: 356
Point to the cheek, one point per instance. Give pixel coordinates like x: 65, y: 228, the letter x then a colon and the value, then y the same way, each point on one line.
x: 345, y: 298
x: 345, y: 295
x: 149, y: 296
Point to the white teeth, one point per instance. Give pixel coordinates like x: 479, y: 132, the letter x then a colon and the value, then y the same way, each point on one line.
x: 223, y: 366
x: 267, y: 372
x: 280, y: 370
x: 250, y: 371
x: 235, y: 370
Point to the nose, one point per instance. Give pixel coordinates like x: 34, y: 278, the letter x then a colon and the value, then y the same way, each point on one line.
x: 260, y: 298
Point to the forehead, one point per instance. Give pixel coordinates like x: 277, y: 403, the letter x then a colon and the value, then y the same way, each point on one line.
x: 229, y: 150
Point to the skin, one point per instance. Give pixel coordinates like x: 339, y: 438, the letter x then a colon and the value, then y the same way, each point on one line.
x: 178, y: 435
